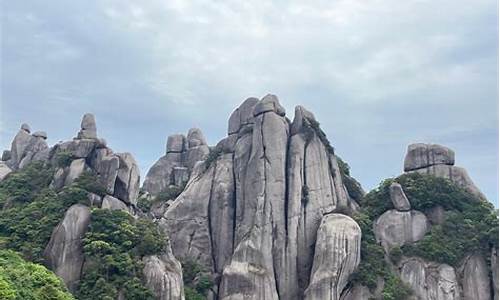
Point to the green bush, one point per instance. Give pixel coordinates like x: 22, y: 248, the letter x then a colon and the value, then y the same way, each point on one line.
x: 170, y: 193
x: 90, y: 182
x: 212, y: 157
x: 114, y: 246
x: 21, y: 280
x: 63, y: 158
x: 196, y: 280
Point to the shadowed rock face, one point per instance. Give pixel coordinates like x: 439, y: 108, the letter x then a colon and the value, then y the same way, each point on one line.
x: 64, y: 252
x: 252, y: 213
x: 337, y: 255
x: 163, y: 275
x: 475, y: 278
x: 175, y: 167
x: 430, y: 280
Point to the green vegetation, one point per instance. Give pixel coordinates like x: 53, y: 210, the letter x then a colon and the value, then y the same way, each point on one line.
x: 114, y: 246
x: 352, y: 185
x: 212, y: 157
x: 196, y: 279
x: 313, y: 126
x: 471, y: 225
x: 31, y: 209
x: 63, y: 158
x: 21, y: 280
x: 145, y: 202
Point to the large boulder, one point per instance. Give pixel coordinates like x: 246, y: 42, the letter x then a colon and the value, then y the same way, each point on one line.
x: 64, y: 252
x: 112, y: 203
x: 424, y: 155
x: 398, y: 197
x: 475, y: 279
x: 4, y: 170
x: 127, y: 179
x: 88, y: 127
x: 176, y: 143
x: 455, y: 174
x: 76, y: 168
x: 23, y: 148
x: 396, y: 228
x: 242, y: 116
x: 159, y: 176
x: 336, y: 257
x: 494, y: 272
x: 163, y: 276
x: 430, y: 280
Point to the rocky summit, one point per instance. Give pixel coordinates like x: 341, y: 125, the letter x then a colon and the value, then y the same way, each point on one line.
x: 269, y: 212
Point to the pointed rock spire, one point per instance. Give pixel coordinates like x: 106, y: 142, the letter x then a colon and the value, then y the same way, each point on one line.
x: 88, y: 127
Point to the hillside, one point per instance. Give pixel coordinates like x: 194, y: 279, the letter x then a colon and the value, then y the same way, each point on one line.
x: 270, y: 212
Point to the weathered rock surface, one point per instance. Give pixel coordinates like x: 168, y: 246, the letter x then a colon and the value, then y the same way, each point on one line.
x: 128, y: 179
x: 475, y: 278
x: 76, y: 169
x: 181, y: 152
x: 336, y: 257
x: 88, y: 127
x: 425, y: 155
x: 398, y: 197
x: 430, y: 280
x: 456, y: 174
x: 163, y: 275
x: 112, y: 203
x: 40, y: 134
x: 23, y: 148
x: 64, y: 252
x: 357, y: 292
x: 242, y: 116
x: 4, y: 170
x: 494, y: 272
x: 396, y: 228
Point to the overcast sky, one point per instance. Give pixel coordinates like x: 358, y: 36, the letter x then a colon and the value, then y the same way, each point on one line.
x: 378, y: 74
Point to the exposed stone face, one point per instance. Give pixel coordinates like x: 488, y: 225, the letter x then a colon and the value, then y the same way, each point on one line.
x: 163, y: 275
x: 430, y: 280
x: 176, y: 143
x: 4, y: 170
x: 398, y: 197
x: 88, y: 127
x: 23, y: 149
x: 26, y: 127
x: 128, y: 179
x: 112, y: 203
x: 336, y: 257
x: 186, y: 220
x: 159, y: 176
x: 475, y: 279
x: 76, y: 169
x: 357, y: 292
x: 424, y: 155
x: 6, y: 155
x: 64, y: 252
x: 40, y: 134
x: 456, y: 174
x: 396, y: 228
x: 494, y: 272
x: 242, y: 116
x: 195, y: 138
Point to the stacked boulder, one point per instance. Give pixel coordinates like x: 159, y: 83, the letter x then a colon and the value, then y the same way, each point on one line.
x: 120, y: 176
x: 251, y: 213
x: 437, y: 160
x: 25, y: 148
x: 402, y: 225
x: 175, y: 167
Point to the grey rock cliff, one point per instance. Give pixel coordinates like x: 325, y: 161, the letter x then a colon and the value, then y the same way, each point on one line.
x: 163, y: 275
x: 251, y: 214
x: 430, y: 280
x: 64, y: 252
x: 336, y: 257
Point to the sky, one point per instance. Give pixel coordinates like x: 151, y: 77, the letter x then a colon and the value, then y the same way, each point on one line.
x: 378, y: 74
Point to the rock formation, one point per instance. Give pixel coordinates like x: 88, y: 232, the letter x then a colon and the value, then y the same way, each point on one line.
x: 64, y: 252
x: 269, y: 212
x: 430, y: 280
x: 178, y: 162
x: 336, y: 257
x: 438, y: 161
x: 251, y: 213
x: 163, y: 275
